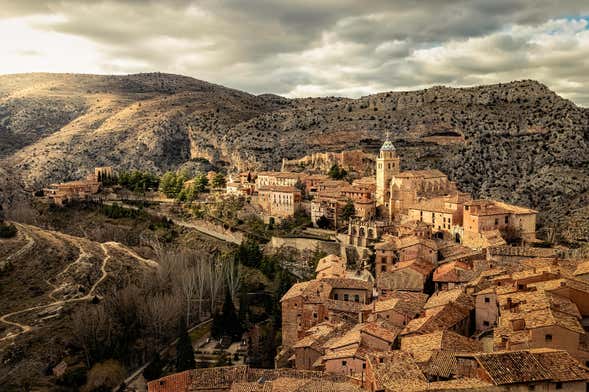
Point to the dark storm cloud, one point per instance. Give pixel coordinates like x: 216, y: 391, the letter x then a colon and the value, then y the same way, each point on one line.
x: 340, y: 47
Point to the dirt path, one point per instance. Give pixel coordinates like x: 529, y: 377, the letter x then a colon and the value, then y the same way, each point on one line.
x: 27, y: 328
x: 82, y: 254
x: 133, y: 254
x: 27, y: 247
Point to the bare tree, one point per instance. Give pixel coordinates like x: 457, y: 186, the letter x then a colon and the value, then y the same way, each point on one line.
x: 215, y: 283
x: 232, y: 272
x: 201, y: 276
x: 160, y: 314
x: 91, y: 328
x: 189, y: 288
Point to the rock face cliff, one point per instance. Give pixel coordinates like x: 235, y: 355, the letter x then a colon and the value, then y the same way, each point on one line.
x: 517, y: 141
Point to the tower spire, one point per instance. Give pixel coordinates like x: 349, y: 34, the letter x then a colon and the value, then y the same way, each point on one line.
x: 387, y: 145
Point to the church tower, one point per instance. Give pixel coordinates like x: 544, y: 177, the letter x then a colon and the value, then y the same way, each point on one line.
x: 387, y: 166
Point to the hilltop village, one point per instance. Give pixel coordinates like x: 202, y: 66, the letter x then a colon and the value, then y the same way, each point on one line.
x: 425, y: 289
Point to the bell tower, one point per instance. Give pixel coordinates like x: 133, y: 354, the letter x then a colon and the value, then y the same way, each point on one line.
x: 387, y: 166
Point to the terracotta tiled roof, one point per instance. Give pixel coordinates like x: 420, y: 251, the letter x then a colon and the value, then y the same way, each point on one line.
x: 545, y: 318
x: 435, y: 319
x: 422, y: 266
x: 455, y: 272
x: 348, y: 283
x: 562, y: 284
x: 512, y: 367
x: 251, y: 387
x: 394, y: 368
x: 381, y: 330
x: 178, y: 382
x: 405, y: 242
x: 439, y: 364
x: 312, y: 291
x: 405, y: 277
x: 494, y: 207
x: 244, y: 379
x: 327, y: 262
x: 217, y: 378
x: 525, y: 301
x: 456, y: 296
x: 467, y: 384
x: 433, y: 173
x: 320, y: 334
x: 422, y: 346
x: 385, y: 305
x: 410, y: 303
x: 561, y: 365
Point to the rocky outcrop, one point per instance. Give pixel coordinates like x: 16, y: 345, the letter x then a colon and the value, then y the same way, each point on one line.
x: 356, y: 161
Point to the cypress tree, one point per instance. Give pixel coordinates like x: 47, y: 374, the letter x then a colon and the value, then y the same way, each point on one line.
x: 230, y: 320
x: 184, y: 353
x: 155, y: 369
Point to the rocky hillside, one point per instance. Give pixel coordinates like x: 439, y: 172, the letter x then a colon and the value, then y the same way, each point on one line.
x: 517, y: 141
x: 45, y: 277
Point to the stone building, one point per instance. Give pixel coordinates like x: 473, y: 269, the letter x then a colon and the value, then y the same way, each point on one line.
x: 444, y: 214
x: 395, y: 249
x: 486, y: 216
x: 309, y: 303
x: 270, y: 179
x: 397, y: 190
x: 278, y: 202
x: 331, y: 198
x: 62, y: 193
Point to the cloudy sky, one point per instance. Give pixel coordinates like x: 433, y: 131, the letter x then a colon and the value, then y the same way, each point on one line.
x: 307, y: 47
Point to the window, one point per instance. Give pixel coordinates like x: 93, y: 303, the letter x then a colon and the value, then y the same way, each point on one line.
x: 506, y: 219
x: 496, y: 221
x: 344, y: 363
x: 548, y: 337
x: 466, y: 208
x: 383, y: 268
x: 486, y: 323
x: 364, y: 365
x: 356, y: 298
x: 314, y: 315
x: 346, y: 297
x: 487, y: 300
x: 531, y: 387
x: 558, y: 385
x: 381, y: 360
x: 336, y: 296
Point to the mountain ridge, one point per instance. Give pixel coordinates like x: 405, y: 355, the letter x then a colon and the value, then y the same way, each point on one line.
x: 517, y: 141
